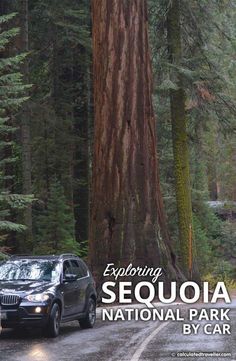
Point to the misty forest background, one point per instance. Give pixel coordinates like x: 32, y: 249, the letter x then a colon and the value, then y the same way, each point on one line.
x: 79, y: 170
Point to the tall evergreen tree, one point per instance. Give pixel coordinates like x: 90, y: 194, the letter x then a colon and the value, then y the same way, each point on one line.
x: 12, y: 92
x: 22, y: 44
x: 55, y: 225
x: 206, y: 45
x: 179, y: 136
x: 61, y: 109
x: 127, y: 217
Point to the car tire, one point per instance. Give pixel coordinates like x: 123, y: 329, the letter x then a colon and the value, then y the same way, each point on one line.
x: 53, y: 326
x: 89, y: 320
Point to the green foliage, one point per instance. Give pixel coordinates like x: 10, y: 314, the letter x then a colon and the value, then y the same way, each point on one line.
x: 16, y: 201
x: 60, y: 37
x: 12, y: 90
x: 223, y: 271
x: 208, y: 74
x: 226, y: 244
x: 55, y: 224
x: 11, y: 226
x: 202, y: 245
x: 224, y: 264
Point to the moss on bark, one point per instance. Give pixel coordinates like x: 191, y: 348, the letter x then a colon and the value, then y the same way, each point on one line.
x: 179, y: 135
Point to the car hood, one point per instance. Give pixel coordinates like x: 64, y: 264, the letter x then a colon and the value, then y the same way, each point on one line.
x: 24, y: 287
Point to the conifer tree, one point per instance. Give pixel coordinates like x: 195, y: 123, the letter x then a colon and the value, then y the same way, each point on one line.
x: 198, y: 55
x: 179, y: 135
x: 61, y: 108
x: 12, y: 96
x: 127, y: 216
x: 55, y: 224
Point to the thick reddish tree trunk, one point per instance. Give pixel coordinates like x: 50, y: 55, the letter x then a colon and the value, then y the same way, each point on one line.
x: 127, y: 219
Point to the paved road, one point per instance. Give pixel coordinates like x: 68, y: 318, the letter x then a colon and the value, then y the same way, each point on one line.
x: 117, y: 341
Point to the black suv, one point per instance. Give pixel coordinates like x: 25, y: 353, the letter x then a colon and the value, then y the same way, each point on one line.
x: 45, y: 291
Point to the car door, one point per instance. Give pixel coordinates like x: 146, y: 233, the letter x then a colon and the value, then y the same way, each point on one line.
x: 81, y: 287
x: 69, y: 290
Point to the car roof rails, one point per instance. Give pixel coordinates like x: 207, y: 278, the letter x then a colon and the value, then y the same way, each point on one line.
x: 67, y: 255
x: 20, y: 255
x: 25, y: 255
x: 60, y: 256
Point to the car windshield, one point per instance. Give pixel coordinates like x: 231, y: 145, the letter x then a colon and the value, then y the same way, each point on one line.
x: 30, y: 270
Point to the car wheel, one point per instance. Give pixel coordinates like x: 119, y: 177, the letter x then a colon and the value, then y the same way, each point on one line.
x: 53, y: 326
x: 90, y: 318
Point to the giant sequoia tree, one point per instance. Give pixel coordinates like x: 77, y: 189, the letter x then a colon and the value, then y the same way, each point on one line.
x: 127, y: 219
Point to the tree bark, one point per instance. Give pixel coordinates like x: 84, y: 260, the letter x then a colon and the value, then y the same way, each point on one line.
x: 179, y: 137
x: 127, y: 217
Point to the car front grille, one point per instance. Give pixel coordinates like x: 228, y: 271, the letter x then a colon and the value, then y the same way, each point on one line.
x: 9, y: 300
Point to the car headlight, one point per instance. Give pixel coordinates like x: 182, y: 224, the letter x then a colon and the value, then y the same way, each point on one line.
x: 39, y: 297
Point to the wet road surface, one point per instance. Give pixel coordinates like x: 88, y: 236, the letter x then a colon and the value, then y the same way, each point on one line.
x: 118, y: 341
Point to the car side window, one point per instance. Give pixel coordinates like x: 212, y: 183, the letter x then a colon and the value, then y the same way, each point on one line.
x: 66, y: 268
x: 76, y: 268
x: 83, y: 269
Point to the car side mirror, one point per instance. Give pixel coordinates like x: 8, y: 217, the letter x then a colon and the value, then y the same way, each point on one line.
x: 69, y: 277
